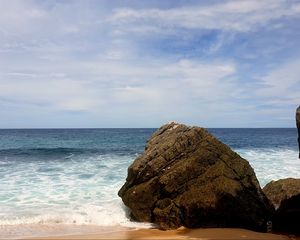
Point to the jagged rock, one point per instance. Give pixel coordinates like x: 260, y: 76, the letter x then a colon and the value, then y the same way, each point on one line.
x: 285, y: 196
x: 186, y: 177
x: 298, y: 126
x: 281, y: 190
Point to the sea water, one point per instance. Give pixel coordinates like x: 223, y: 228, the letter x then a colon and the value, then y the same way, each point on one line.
x: 72, y: 176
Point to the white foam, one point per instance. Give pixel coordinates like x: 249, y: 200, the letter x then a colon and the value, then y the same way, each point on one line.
x: 272, y: 164
x: 80, y: 191
x: 111, y: 214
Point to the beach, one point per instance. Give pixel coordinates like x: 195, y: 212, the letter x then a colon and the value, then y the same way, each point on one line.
x: 181, y: 233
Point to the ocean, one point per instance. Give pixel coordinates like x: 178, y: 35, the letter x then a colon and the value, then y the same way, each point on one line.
x: 72, y: 176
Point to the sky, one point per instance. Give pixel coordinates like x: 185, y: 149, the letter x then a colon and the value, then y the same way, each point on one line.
x: 93, y: 63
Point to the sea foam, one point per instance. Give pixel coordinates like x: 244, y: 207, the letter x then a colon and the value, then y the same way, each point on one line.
x: 82, y: 190
x: 272, y: 163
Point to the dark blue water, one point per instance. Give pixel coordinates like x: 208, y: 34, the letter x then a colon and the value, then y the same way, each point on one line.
x: 54, y: 141
x: 127, y: 141
x: 249, y: 138
x: 73, y: 175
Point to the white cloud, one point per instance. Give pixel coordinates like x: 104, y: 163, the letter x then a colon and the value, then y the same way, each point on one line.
x: 18, y: 14
x: 61, y: 56
x: 71, y: 29
x: 243, y: 15
x: 201, y: 79
x: 57, y: 94
x: 282, y: 84
x: 92, y: 86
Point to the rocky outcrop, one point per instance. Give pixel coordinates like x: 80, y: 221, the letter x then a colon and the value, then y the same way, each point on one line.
x: 282, y: 190
x: 285, y: 196
x: 186, y: 177
x: 298, y: 126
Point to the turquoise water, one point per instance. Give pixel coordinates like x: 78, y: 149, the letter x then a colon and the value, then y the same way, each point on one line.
x: 72, y: 176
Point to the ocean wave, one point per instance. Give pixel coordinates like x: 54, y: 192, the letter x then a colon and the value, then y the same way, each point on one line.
x: 67, y: 153
x: 44, y: 151
x: 66, y: 192
x: 113, y: 213
x: 272, y: 163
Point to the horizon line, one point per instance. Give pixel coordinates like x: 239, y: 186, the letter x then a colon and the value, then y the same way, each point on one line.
x: 58, y: 128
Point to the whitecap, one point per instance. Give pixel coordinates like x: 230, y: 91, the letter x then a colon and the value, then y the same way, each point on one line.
x: 272, y: 163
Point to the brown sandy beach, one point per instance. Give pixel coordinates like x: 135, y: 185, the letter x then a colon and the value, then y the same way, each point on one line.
x: 181, y: 233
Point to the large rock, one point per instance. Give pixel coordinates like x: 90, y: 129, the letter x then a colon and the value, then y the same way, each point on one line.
x: 186, y: 177
x: 285, y: 196
x: 298, y: 126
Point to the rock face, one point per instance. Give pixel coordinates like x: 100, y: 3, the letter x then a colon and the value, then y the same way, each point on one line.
x: 285, y: 196
x: 298, y: 126
x: 282, y: 190
x: 186, y: 177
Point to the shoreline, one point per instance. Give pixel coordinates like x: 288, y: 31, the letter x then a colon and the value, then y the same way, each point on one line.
x: 183, y: 233
x: 60, y: 231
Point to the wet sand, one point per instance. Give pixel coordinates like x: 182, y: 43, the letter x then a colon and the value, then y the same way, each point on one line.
x: 181, y: 233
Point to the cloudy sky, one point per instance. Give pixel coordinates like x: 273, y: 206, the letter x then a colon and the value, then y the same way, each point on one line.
x: 143, y: 63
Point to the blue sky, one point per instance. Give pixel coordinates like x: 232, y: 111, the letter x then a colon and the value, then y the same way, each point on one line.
x: 143, y: 63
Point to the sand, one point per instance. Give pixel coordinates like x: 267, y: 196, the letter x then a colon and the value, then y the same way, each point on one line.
x: 181, y: 233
